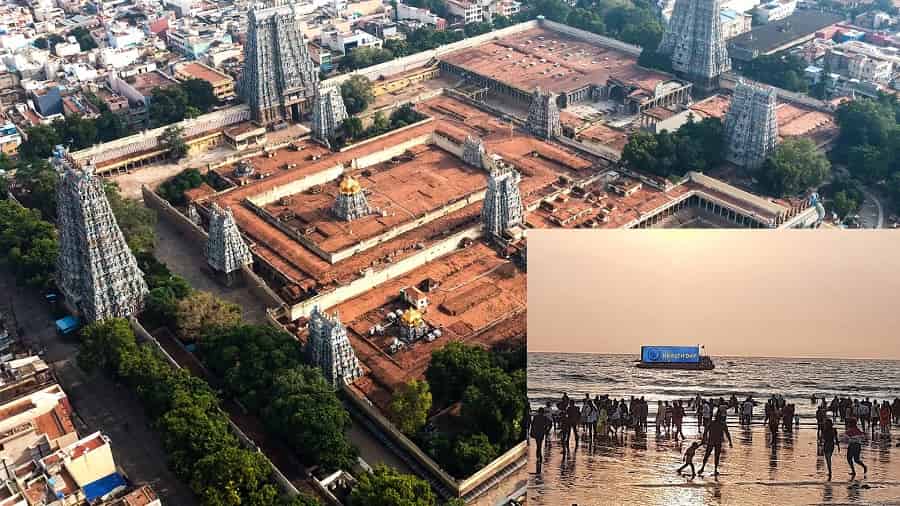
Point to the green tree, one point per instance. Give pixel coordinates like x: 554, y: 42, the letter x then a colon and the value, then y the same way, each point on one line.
x: 28, y: 244
x: 168, y: 105
x: 363, y: 57
x: 39, y: 142
x: 357, y: 94
x: 305, y: 412
x: 84, y: 38
x: 173, y: 139
x: 104, y: 344
x: 199, y: 94
x: 494, y: 404
x: 138, y: 223
x: 233, y: 476
x: 844, y: 205
x: 385, y: 486
x: 35, y: 182
x: 410, y: 406
x: 202, y: 310
x: 473, y: 452
x: 794, y: 167
x: 452, y: 369
x: 192, y: 432
x: 173, y: 189
x: 248, y: 357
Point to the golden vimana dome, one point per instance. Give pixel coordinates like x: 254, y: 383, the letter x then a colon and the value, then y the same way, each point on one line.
x: 349, y: 186
x: 411, y: 317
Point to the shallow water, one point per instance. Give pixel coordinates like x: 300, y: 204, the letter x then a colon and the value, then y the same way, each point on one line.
x: 641, y: 471
x: 551, y: 374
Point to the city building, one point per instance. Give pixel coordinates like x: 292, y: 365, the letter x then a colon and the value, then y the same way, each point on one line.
x: 328, y: 112
x: 695, y: 40
x: 10, y: 138
x: 543, y: 115
x: 195, y: 40
x: 351, y: 203
x: 96, y: 271
x: 775, y: 10
x: 770, y: 38
x: 226, y: 251
x: 502, y: 203
x: 279, y: 77
x: 751, y: 127
x: 859, y: 60
x: 34, y: 425
x: 344, y: 42
x: 735, y: 23
x: 329, y: 349
x: 419, y: 15
x: 222, y: 84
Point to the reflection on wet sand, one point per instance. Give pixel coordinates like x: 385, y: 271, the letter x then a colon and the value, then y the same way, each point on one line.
x: 641, y: 469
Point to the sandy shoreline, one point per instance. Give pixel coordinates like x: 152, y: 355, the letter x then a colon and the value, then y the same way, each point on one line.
x: 642, y: 470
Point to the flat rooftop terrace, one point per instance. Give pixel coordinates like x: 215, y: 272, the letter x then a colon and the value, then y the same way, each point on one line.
x: 398, y: 193
x: 794, y: 120
x: 486, y: 292
x: 439, y: 174
x: 552, y: 61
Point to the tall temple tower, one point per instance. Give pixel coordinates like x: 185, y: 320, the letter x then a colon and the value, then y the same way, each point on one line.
x: 328, y: 111
x: 96, y: 270
x: 351, y: 203
x: 502, y: 207
x: 278, y: 77
x: 696, y: 42
x: 330, y: 350
x: 226, y: 251
x: 543, y: 115
x: 751, y: 127
x: 473, y: 152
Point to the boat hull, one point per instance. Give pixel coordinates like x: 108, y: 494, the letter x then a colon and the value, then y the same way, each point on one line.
x: 700, y: 366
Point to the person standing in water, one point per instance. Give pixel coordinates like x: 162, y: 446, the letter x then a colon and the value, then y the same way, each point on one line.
x: 714, y: 435
x: 855, y: 439
x: 828, y: 436
x: 678, y: 419
x: 541, y: 425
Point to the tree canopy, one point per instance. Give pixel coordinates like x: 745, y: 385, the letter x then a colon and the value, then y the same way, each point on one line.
x: 385, y: 486
x: 28, y: 244
x: 200, y: 311
x: 784, y: 70
x: 173, y: 188
x: 697, y: 145
x: 794, y: 167
x: 410, y: 406
x: 357, y: 94
x: 194, y: 432
x: 262, y: 367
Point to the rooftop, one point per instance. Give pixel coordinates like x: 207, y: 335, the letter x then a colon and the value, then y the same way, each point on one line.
x: 196, y: 70
x: 539, y: 57
x: 145, y: 83
x: 776, y: 35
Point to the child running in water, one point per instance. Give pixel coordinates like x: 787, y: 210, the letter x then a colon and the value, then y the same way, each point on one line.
x: 689, y: 458
x: 855, y: 439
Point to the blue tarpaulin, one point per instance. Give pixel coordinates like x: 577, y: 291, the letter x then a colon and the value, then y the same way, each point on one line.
x: 103, y: 486
x: 67, y: 324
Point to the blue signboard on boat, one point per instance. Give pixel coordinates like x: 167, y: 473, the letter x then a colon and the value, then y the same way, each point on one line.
x: 670, y: 354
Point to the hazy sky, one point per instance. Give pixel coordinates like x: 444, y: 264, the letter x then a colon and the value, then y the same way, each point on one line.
x: 748, y: 293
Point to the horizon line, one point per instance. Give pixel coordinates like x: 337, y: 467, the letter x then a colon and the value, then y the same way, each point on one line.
x: 889, y: 359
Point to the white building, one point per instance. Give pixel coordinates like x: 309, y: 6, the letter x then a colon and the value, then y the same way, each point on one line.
x: 735, y: 23
x: 858, y: 60
x: 121, y: 36
x: 775, y: 10
x: 346, y: 42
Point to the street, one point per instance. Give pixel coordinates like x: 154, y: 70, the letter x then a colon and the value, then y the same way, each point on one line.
x: 99, y: 403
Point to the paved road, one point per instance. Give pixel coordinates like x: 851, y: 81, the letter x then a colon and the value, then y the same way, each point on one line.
x: 100, y: 404
x: 871, y: 212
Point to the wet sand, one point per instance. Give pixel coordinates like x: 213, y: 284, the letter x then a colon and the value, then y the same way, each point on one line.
x: 642, y: 470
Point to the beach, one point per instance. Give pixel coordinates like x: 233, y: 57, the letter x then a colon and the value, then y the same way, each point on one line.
x: 642, y: 470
